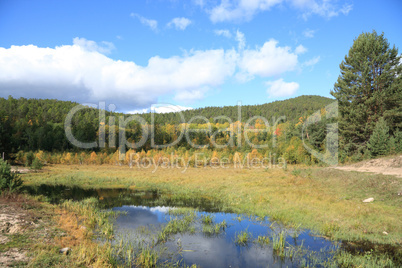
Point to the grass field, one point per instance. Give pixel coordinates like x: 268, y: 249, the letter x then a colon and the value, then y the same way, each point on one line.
x: 324, y: 200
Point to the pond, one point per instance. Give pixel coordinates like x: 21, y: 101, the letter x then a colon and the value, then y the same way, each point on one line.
x: 194, y: 231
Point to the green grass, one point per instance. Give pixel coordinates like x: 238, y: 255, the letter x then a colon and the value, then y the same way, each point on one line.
x: 278, y: 243
x: 214, y: 229
x: 262, y: 240
x: 176, y: 225
x: 243, y: 238
x: 207, y: 219
x: 327, y: 201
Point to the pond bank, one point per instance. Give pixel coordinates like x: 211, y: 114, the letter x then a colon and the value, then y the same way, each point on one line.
x: 326, y: 201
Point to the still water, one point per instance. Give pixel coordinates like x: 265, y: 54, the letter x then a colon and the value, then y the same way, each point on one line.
x: 144, y: 214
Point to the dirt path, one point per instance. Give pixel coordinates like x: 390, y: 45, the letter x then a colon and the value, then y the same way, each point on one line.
x: 386, y: 166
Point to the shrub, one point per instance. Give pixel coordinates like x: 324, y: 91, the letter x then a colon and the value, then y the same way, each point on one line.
x: 8, y: 180
x: 379, y: 141
x: 30, y: 157
x: 36, y: 164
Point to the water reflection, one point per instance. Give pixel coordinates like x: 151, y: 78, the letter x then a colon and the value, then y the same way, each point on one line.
x: 146, y: 213
x: 218, y: 250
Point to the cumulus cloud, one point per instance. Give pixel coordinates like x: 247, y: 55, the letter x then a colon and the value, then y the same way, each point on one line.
x: 280, y: 88
x: 268, y: 60
x: 241, y: 40
x: 153, y: 24
x: 80, y: 73
x: 179, y: 23
x: 309, y: 33
x: 225, y: 33
x: 300, y: 49
x: 245, y: 10
x: 162, y: 109
x: 89, y: 45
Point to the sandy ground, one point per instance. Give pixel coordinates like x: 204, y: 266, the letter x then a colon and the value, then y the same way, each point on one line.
x: 386, y: 166
x: 18, y: 169
x: 15, y: 219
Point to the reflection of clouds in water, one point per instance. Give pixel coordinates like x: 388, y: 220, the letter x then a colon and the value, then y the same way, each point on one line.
x: 140, y: 216
x: 218, y: 252
x: 215, y: 251
x: 158, y: 209
x: 161, y: 209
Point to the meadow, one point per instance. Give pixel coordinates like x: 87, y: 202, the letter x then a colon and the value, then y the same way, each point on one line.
x: 324, y: 200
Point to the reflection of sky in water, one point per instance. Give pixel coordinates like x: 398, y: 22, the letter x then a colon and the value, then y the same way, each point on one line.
x: 220, y: 250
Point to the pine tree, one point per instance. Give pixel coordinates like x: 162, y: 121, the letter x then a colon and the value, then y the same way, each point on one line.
x: 368, y: 88
x: 379, y: 140
x: 398, y: 141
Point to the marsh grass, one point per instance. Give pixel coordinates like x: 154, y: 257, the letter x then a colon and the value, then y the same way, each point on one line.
x: 278, y: 243
x: 327, y: 201
x: 177, y: 225
x: 262, y: 240
x: 296, y: 172
x: 214, y: 229
x: 207, y: 219
x: 147, y: 258
x: 365, y: 259
x: 243, y: 238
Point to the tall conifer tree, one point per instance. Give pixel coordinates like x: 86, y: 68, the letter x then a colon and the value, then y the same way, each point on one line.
x: 369, y: 87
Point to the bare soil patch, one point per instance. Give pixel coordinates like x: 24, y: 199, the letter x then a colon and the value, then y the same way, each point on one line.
x: 386, y: 166
x: 19, y: 220
x: 20, y: 169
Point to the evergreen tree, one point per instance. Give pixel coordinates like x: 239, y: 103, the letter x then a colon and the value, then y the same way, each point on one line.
x: 398, y: 141
x: 368, y: 88
x: 379, y: 140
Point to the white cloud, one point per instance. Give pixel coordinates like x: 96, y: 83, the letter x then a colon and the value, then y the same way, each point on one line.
x: 300, y: 49
x: 311, y: 62
x: 245, y: 10
x: 240, y: 9
x: 269, y: 60
x: 323, y: 8
x: 309, y: 33
x: 153, y: 24
x: 140, y: 111
x: 74, y: 72
x: 89, y: 45
x: 224, y: 33
x: 162, y: 109
x: 179, y: 23
x: 241, y: 40
x: 80, y: 72
x: 280, y: 88
x: 200, y: 3
x: 189, y: 96
x: 170, y: 109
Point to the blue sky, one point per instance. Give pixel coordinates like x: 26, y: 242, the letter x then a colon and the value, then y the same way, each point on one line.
x: 192, y: 53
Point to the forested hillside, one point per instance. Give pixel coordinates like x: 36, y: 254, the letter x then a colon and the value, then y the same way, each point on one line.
x: 36, y: 124
x: 293, y: 109
x: 368, y: 93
